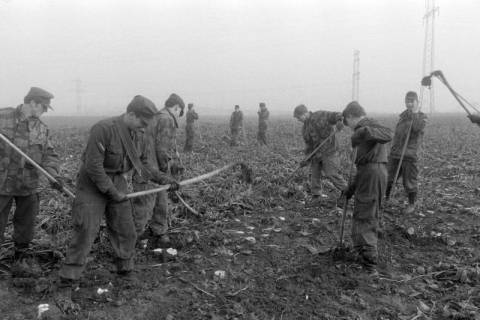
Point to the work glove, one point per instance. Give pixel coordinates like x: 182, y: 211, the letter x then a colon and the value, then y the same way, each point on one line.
x: 475, y: 118
x: 57, y: 184
x: 174, y: 186
x: 303, y: 163
x: 348, y: 192
x: 358, y: 135
x: 176, y: 169
x: 116, y: 196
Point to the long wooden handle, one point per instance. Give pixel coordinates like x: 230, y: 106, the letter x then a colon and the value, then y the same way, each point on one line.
x: 36, y: 165
x: 182, y: 183
x: 345, y: 203
x: 311, y: 155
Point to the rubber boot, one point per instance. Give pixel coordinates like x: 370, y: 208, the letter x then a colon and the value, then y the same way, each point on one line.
x: 412, y: 198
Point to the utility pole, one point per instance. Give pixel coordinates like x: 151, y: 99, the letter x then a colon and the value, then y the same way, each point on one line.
x: 431, y: 10
x: 356, y: 75
x: 78, y: 91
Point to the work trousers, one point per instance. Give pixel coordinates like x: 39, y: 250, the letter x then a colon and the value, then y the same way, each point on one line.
x: 330, y: 166
x: 189, y: 138
x: 262, y: 136
x: 370, y: 181
x: 408, y: 172
x: 234, y: 132
x: 153, y: 208
x: 26, y: 210
x: 89, y: 207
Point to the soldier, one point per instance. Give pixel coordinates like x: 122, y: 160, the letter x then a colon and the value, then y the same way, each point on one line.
x: 190, y: 128
x: 317, y: 127
x: 369, y: 138
x: 263, y: 115
x: 102, y: 186
x: 160, y: 147
x: 19, y: 181
x: 236, y: 125
x: 416, y: 120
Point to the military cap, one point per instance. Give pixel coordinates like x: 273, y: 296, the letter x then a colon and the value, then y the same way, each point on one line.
x: 411, y: 95
x: 173, y: 100
x: 299, y: 110
x: 39, y: 95
x: 190, y: 105
x: 353, y: 109
x: 262, y: 104
x: 142, y: 107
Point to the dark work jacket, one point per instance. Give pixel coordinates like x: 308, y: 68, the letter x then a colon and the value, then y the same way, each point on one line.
x: 370, y: 139
x: 236, y: 120
x: 416, y: 135
x: 317, y: 128
x: 105, y: 155
x: 191, y: 117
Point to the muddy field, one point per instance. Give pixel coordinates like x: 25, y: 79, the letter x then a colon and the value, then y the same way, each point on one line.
x: 258, y: 251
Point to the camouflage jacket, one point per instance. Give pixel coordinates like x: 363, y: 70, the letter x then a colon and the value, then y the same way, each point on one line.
x: 105, y: 155
x: 318, y: 127
x: 191, y: 116
x: 416, y: 135
x: 236, y: 120
x: 159, y: 140
x: 371, y: 138
x: 262, y: 119
x: 17, y: 176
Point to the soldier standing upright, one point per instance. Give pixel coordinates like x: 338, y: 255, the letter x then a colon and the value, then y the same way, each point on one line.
x: 317, y: 128
x: 414, y: 120
x: 369, y: 138
x: 160, y: 146
x: 236, y: 125
x: 19, y: 180
x: 102, y: 186
x: 191, y: 116
x: 263, y: 115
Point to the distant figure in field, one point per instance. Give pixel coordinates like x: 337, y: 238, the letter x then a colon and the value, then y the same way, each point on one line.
x: 236, y: 125
x: 190, y: 128
x: 370, y: 139
x: 263, y: 115
x: 416, y: 120
x: 321, y: 127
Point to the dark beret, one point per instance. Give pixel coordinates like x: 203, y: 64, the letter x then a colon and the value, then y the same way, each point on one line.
x: 173, y: 100
x: 142, y: 107
x: 38, y: 95
x: 411, y: 95
x: 299, y: 110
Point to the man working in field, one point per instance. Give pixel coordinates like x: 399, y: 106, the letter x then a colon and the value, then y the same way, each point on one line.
x: 321, y: 127
x: 369, y: 138
x: 263, y: 115
x: 19, y: 181
x: 412, y: 120
x: 102, y: 186
x: 191, y: 117
x: 236, y: 125
x: 159, y: 144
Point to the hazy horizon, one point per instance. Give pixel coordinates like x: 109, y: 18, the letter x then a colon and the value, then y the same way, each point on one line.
x: 220, y: 53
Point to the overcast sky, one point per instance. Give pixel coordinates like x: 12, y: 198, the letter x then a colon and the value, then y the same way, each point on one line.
x: 218, y: 53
